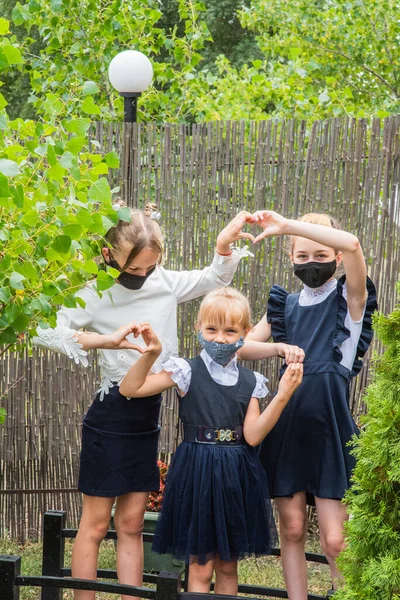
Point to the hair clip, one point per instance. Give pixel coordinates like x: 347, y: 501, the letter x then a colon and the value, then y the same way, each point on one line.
x: 155, y: 215
x: 119, y: 203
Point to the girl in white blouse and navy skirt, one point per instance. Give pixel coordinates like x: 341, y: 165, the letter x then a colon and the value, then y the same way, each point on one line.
x: 119, y: 436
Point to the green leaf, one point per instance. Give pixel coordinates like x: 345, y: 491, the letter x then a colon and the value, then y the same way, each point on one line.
x: 62, y: 244
x: 104, y: 281
x: 294, y: 53
x: 4, y: 29
x: 100, y: 191
x: 124, y: 214
x: 16, y: 280
x: 13, y: 54
x: 90, y: 107
x: 90, y: 266
x: 5, y: 295
x: 112, y: 160
x: 89, y: 88
x: 3, y: 122
x: 324, y: 97
x: 4, y: 189
x: 75, y: 145
x: 73, y: 231
x: 9, y: 167
x: 78, y: 126
x: 18, y: 195
x: 68, y: 160
x: 41, y: 305
x: 8, y: 336
x: 32, y: 218
x: 50, y: 289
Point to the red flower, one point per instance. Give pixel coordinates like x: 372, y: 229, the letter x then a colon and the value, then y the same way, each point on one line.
x: 155, y: 499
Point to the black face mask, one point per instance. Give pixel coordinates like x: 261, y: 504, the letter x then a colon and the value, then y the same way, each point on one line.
x: 128, y: 280
x: 314, y: 274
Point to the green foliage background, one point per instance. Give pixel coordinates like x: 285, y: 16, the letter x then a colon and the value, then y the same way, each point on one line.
x: 217, y: 59
x: 371, y: 562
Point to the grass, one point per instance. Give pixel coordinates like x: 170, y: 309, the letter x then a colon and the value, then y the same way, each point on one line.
x: 256, y: 571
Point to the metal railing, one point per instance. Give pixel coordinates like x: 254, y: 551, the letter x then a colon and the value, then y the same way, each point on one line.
x: 55, y: 577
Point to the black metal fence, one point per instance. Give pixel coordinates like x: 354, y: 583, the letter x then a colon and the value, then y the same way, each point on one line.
x: 55, y: 578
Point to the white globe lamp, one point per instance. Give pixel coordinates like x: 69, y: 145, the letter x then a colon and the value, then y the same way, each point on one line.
x: 130, y: 73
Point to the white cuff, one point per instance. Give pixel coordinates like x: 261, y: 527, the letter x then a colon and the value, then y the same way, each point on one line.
x: 261, y: 390
x: 180, y: 371
x: 235, y: 257
x: 62, y: 339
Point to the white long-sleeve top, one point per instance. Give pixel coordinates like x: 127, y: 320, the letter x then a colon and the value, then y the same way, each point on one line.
x: 156, y: 302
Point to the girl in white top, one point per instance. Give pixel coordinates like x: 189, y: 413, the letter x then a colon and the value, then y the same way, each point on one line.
x: 119, y: 438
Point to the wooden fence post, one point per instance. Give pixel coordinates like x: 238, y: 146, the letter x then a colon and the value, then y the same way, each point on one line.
x: 168, y: 586
x: 53, y: 550
x: 10, y: 568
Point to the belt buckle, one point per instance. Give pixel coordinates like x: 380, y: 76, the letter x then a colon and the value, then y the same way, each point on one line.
x: 225, y: 435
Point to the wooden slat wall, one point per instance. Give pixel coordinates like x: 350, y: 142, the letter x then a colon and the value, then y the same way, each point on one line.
x: 200, y: 176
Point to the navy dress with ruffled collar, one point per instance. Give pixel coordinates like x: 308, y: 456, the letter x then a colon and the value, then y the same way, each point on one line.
x: 308, y: 449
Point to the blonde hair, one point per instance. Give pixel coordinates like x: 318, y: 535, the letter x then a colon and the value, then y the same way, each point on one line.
x: 140, y: 232
x: 222, y: 304
x: 315, y: 219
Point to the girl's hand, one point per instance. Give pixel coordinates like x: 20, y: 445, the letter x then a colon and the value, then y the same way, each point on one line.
x: 153, y: 344
x: 118, y: 340
x: 233, y: 232
x: 291, y: 354
x: 291, y: 379
x: 271, y: 222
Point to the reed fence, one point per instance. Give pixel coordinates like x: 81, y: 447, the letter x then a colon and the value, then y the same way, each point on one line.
x: 200, y: 176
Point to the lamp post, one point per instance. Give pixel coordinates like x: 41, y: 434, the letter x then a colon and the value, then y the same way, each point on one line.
x: 130, y: 73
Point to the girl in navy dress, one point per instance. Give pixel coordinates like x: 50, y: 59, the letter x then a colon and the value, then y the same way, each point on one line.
x: 216, y: 507
x: 307, y: 455
x: 118, y: 461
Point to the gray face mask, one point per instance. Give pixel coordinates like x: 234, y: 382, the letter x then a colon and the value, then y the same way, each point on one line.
x: 220, y: 353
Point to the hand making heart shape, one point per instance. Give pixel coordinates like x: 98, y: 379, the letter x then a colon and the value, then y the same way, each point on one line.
x: 270, y: 221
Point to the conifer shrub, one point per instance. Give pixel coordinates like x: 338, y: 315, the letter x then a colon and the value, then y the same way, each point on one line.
x: 371, y: 562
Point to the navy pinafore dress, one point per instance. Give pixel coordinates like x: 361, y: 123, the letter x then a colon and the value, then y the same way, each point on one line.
x: 308, y: 449
x: 216, y: 499
x: 119, y: 445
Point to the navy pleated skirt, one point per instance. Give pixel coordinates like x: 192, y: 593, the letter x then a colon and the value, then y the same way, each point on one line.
x: 119, y: 445
x: 216, y: 502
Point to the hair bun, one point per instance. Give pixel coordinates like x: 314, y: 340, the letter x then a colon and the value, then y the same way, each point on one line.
x: 150, y: 210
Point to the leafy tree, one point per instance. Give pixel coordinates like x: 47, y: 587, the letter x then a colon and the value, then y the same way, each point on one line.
x: 229, y: 38
x: 55, y: 204
x: 371, y: 562
x: 81, y: 38
x: 327, y: 57
x: 16, y: 82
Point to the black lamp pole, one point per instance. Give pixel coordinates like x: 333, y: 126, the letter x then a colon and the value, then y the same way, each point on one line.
x: 130, y: 106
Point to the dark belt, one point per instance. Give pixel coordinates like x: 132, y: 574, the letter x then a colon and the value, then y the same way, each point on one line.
x: 213, y: 435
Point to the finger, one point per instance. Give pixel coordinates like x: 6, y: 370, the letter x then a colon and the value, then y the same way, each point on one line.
x: 246, y: 236
x: 262, y: 235
x: 258, y: 215
x: 134, y: 347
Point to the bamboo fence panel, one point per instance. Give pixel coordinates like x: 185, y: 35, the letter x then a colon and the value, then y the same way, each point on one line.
x: 200, y: 176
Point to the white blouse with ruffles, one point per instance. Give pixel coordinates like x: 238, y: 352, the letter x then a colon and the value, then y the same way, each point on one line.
x: 156, y: 302
x: 181, y: 374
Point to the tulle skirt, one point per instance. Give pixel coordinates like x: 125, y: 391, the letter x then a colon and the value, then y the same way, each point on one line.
x: 216, y: 502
